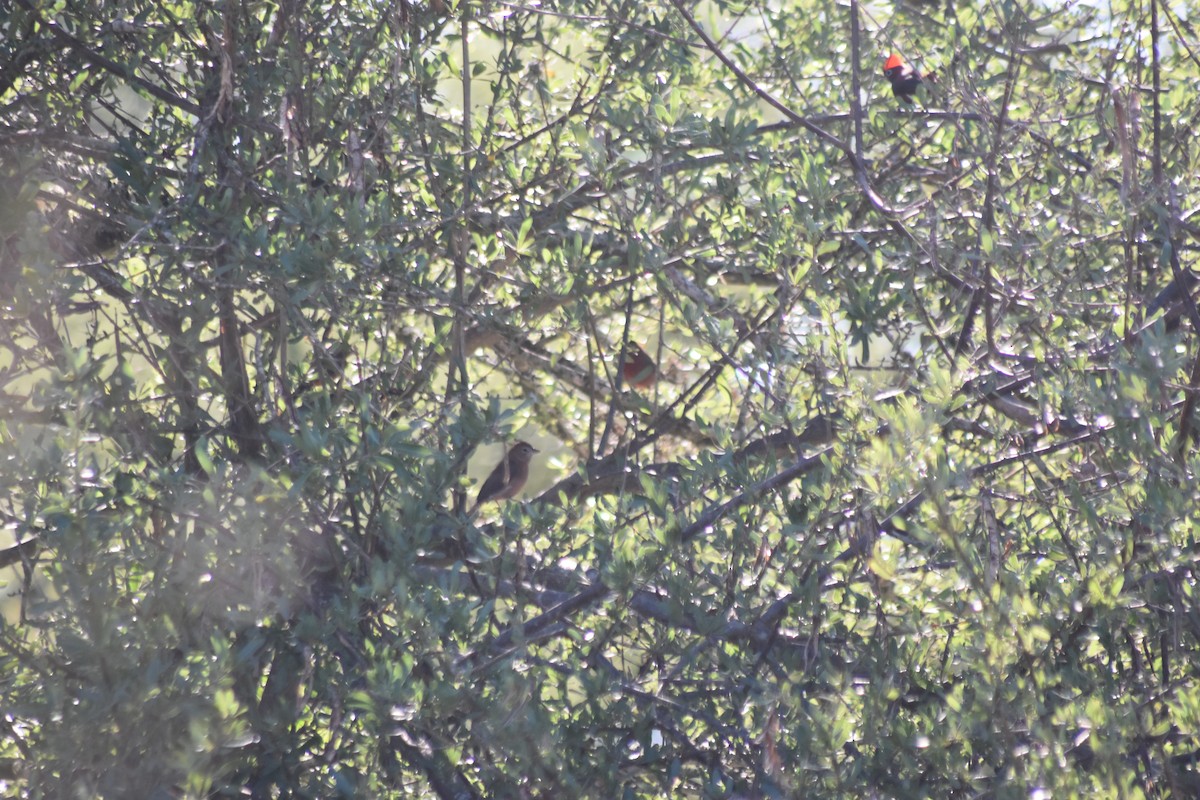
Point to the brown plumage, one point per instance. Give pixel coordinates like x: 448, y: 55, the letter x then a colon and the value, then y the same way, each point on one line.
x: 508, y: 477
x: 638, y: 369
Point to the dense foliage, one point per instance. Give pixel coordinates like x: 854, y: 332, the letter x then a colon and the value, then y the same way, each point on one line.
x: 910, y: 510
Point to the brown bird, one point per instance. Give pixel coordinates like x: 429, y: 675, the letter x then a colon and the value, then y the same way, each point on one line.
x: 508, y: 477
x: 637, y: 368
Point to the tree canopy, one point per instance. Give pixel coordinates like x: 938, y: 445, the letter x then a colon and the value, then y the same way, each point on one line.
x: 905, y: 505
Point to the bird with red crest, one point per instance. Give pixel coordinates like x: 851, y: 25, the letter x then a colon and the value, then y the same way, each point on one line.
x: 904, y: 78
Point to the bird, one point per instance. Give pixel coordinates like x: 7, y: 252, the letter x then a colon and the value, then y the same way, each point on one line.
x: 905, y: 80
x: 329, y: 363
x: 508, y: 477
x: 1171, y: 299
x: 637, y: 368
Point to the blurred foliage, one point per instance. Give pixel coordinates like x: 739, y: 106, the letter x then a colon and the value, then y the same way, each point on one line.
x: 909, y: 512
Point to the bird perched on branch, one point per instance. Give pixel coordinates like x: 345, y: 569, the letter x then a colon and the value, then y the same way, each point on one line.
x: 905, y: 80
x: 1172, y: 298
x: 637, y: 368
x: 508, y: 477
